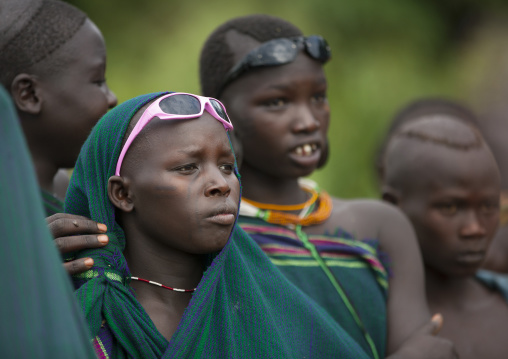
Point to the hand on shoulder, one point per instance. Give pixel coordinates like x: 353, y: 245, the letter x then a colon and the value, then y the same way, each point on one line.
x: 74, y: 233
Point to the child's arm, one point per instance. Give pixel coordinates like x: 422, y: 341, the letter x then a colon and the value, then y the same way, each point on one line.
x: 424, y: 344
x: 74, y: 233
x: 411, y: 333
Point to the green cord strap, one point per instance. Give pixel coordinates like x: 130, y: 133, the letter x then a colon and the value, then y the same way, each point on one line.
x: 305, y: 240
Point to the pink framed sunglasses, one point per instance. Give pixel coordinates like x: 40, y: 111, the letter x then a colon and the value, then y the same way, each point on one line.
x: 176, y: 106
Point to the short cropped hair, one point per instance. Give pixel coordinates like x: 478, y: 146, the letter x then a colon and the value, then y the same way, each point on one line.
x: 216, y: 56
x: 411, y: 140
x: 32, y: 31
x: 418, y: 109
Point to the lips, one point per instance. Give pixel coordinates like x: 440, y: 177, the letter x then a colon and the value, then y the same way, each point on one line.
x: 471, y: 257
x: 306, y: 149
x: 306, y: 155
x: 224, y: 215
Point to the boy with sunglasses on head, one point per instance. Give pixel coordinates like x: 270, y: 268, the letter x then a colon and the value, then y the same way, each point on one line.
x: 271, y: 79
x: 178, y: 278
x: 440, y: 172
x: 53, y: 61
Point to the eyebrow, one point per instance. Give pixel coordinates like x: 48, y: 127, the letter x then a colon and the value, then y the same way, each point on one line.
x: 196, y: 150
x: 190, y: 150
x: 321, y: 81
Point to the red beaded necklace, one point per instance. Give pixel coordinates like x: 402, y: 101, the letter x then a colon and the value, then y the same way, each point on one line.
x: 164, y: 286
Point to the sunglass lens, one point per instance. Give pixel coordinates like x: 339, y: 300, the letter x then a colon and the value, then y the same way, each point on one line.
x: 318, y: 48
x: 274, y: 52
x: 220, y: 110
x: 180, y: 105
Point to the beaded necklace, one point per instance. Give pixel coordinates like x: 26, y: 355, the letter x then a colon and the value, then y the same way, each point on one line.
x: 276, y: 214
x: 291, y: 207
x: 163, y: 286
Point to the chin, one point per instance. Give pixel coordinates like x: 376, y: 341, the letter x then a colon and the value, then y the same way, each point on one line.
x: 296, y: 172
x: 465, y: 271
x: 213, y: 246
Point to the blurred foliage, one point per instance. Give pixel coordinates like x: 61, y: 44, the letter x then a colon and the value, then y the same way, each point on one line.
x: 385, y: 54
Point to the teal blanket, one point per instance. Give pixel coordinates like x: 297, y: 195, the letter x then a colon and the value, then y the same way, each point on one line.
x: 38, y: 313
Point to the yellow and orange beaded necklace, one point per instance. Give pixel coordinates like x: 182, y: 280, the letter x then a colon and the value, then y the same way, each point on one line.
x: 276, y: 214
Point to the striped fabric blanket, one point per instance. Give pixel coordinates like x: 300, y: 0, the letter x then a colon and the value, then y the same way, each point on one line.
x: 355, y: 264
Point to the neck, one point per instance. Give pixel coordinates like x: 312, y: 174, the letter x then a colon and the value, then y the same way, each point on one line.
x: 46, y: 172
x: 153, y: 261
x: 263, y: 188
x: 444, y: 291
x: 172, y: 268
x: 45, y: 168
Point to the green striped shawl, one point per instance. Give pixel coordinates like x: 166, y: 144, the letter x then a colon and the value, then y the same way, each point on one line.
x: 242, y: 308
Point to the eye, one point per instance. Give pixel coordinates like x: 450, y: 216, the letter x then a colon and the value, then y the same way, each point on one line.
x: 448, y: 209
x: 489, y: 207
x: 186, y: 169
x: 275, y: 103
x: 319, y: 99
x: 227, y: 168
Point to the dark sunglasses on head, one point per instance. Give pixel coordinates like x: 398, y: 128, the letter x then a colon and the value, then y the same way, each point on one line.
x: 279, y: 52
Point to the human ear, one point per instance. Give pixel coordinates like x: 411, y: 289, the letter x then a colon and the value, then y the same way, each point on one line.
x: 390, y: 195
x: 26, y: 94
x: 118, y: 193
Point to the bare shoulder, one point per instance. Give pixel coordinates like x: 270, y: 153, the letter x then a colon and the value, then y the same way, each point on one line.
x: 371, y: 207
x: 363, y: 218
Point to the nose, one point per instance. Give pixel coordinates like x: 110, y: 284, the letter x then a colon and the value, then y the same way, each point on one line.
x: 111, y: 97
x: 306, y: 121
x: 216, y: 184
x: 473, y: 226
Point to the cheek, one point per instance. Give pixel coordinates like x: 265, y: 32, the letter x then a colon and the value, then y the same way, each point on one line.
x: 160, y: 197
x: 263, y: 141
x: 167, y: 208
x: 438, y: 232
x: 492, y: 225
x: 324, y: 119
x: 234, y: 184
x: 98, y: 101
x: 431, y: 228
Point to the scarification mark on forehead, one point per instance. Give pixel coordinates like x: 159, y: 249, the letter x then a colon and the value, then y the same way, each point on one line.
x: 442, y: 130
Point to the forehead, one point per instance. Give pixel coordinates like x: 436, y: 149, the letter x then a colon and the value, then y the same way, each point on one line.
x: 86, y: 49
x: 440, y: 168
x: 303, y: 74
x: 241, y: 44
x: 204, y: 134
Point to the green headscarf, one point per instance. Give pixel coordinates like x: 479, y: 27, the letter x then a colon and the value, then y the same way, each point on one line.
x: 38, y: 312
x: 243, y: 306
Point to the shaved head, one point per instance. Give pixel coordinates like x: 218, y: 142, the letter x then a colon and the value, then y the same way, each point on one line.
x: 416, y: 110
x: 32, y: 31
x: 218, y: 53
x: 417, y: 151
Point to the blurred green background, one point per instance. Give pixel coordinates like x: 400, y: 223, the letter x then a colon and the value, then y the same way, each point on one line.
x: 385, y: 54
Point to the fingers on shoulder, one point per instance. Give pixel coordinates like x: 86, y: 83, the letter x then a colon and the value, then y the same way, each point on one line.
x: 63, y: 224
x: 78, y: 266
x: 76, y: 243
